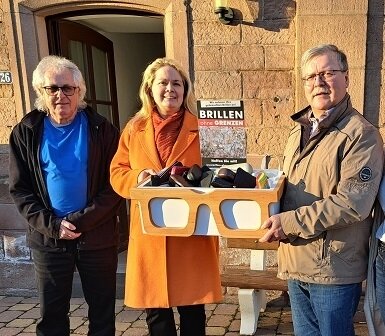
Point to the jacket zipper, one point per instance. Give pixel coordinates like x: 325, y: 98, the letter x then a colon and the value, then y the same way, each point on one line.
x: 43, y: 186
x: 324, y: 247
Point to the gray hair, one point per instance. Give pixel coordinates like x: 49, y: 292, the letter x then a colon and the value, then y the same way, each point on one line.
x: 323, y: 49
x: 57, y: 64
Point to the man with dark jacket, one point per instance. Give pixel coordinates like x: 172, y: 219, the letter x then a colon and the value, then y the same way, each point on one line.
x: 333, y: 162
x: 60, y: 155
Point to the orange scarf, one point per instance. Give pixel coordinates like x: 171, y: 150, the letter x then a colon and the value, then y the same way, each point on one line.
x: 166, y: 133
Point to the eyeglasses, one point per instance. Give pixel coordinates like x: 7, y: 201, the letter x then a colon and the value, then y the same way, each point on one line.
x: 66, y: 89
x: 326, y: 76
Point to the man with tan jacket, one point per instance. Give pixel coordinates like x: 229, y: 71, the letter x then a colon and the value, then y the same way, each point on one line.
x: 333, y: 162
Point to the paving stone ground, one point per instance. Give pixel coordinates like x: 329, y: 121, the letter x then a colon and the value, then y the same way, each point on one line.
x: 19, y: 315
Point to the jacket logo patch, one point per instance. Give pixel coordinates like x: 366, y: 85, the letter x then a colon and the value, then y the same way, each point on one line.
x: 365, y: 174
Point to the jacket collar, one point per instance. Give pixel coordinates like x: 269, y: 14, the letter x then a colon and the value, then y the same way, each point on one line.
x: 343, y: 108
x: 339, y: 111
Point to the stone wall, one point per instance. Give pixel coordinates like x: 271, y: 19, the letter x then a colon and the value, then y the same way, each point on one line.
x: 14, y: 255
x: 253, y: 60
x: 15, y: 263
x: 7, y: 97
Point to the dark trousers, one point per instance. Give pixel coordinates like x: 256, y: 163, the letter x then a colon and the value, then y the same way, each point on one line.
x: 54, y: 276
x: 161, y: 321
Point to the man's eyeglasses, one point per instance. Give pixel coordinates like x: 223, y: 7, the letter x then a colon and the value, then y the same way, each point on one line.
x: 66, y: 89
x: 326, y: 76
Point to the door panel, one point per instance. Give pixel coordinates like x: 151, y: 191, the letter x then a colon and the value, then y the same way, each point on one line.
x: 77, y: 52
x: 104, y: 110
x: 100, y: 69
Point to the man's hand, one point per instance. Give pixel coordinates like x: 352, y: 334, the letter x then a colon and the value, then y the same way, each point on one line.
x: 275, y: 231
x: 67, y: 231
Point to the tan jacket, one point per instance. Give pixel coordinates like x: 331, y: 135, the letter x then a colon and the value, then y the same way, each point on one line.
x: 164, y: 271
x: 332, y: 185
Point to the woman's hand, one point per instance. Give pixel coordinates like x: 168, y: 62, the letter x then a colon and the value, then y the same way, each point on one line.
x: 145, y: 173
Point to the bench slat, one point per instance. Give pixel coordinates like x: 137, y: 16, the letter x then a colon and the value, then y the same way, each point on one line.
x: 250, y: 243
x: 243, y: 277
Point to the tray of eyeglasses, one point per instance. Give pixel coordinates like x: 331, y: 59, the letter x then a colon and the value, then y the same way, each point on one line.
x: 226, y: 212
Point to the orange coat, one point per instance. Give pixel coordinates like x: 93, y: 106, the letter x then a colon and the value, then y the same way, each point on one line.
x: 164, y: 271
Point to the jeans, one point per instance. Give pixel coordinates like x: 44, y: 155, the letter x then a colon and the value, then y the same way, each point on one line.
x: 54, y: 276
x: 380, y: 281
x: 161, y: 321
x: 323, y: 310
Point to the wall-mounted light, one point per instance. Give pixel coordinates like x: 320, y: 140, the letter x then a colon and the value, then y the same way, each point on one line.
x: 225, y: 13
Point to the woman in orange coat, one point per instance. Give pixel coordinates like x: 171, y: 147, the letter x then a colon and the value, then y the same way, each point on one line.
x: 164, y: 272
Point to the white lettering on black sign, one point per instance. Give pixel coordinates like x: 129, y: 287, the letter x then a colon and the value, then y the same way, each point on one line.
x: 5, y: 77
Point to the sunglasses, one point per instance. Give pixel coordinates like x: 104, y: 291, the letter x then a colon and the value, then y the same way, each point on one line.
x: 66, y: 89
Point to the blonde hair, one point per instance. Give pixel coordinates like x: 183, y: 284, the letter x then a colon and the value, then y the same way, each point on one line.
x: 56, y: 64
x: 148, y: 103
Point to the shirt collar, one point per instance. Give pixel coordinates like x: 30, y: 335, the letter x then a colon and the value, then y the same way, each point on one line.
x: 316, y: 123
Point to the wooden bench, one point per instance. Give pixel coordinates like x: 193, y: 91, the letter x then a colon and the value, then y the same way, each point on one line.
x: 252, y: 282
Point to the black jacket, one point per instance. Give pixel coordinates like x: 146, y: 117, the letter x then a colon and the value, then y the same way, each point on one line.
x: 98, y: 220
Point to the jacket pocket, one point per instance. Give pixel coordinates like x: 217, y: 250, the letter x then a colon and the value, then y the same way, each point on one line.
x: 38, y: 240
x: 342, y: 246
x: 319, y: 250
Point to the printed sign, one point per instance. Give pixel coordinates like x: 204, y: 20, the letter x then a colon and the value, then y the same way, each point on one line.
x: 222, y: 132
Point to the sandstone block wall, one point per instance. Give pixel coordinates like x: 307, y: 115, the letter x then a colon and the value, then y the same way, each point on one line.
x: 252, y: 60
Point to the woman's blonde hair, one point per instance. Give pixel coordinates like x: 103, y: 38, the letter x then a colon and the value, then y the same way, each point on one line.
x: 56, y: 64
x: 148, y: 103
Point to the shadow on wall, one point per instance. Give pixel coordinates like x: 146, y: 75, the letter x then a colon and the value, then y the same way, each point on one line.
x: 374, y: 59
x: 268, y: 15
